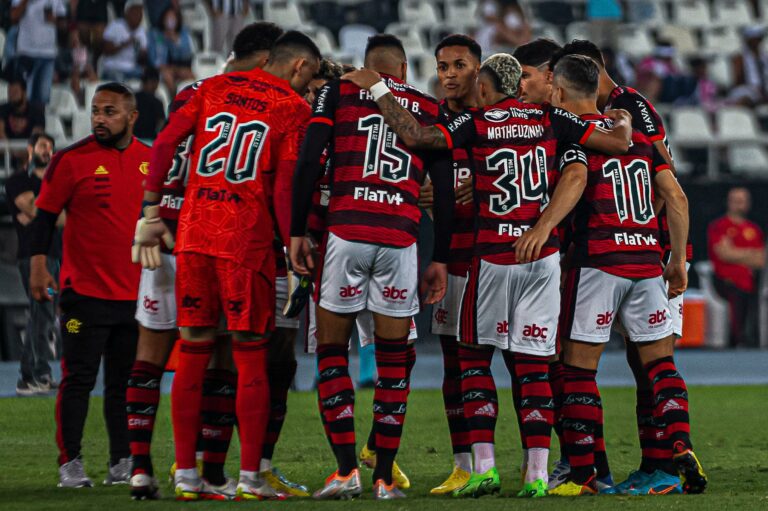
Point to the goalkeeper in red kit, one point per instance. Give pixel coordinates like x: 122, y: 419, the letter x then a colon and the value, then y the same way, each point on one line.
x: 247, y: 128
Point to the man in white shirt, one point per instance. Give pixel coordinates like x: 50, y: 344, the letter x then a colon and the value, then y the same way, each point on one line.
x: 36, y: 44
x: 125, y: 45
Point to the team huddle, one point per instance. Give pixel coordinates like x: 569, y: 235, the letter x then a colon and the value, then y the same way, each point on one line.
x: 556, y: 215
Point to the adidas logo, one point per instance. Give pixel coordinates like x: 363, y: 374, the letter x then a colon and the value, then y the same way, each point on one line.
x: 100, y: 171
x: 346, y: 413
x: 671, y: 405
x: 488, y: 410
x: 388, y: 419
x: 587, y: 440
x: 534, y: 416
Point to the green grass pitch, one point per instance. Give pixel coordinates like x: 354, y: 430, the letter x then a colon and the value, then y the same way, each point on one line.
x: 729, y: 432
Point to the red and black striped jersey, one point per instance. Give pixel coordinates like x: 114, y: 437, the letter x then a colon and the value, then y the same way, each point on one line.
x: 614, y: 226
x: 376, y: 179
x: 316, y: 222
x: 514, y: 150
x: 463, y: 238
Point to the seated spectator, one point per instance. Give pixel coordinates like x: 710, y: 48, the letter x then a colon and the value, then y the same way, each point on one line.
x: 504, y: 26
x: 19, y: 117
x: 170, y: 50
x: 704, y: 90
x: 736, y: 248
x: 150, y: 108
x: 750, y: 69
x: 91, y: 18
x: 125, y: 45
x: 36, y: 43
x: 655, y: 70
x: 74, y: 63
x: 228, y: 17
x: 155, y: 10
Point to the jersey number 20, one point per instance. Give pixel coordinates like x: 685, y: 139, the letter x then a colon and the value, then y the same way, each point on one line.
x: 245, y: 142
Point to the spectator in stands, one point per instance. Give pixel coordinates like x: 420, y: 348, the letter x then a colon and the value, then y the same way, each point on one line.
x: 504, y: 26
x: 155, y: 10
x: 170, y: 50
x: 736, y: 248
x: 19, y: 117
x: 36, y: 43
x: 655, y: 70
x: 151, y: 112
x: 21, y: 189
x: 704, y: 91
x: 91, y: 17
x: 228, y: 18
x: 75, y: 62
x: 750, y: 69
x: 125, y: 45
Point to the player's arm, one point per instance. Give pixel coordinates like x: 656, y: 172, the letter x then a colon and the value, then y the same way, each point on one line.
x: 677, y: 218
x: 405, y: 125
x: 752, y: 257
x: 571, y: 129
x: 573, y: 165
x: 435, y: 280
x: 309, y: 170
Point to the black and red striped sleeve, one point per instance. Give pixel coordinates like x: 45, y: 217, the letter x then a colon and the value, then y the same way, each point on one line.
x: 569, y: 127
x: 659, y: 164
x: 460, y: 131
x: 324, y: 108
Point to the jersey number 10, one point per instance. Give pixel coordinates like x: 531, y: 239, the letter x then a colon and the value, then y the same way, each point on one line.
x: 248, y: 137
x: 635, y: 179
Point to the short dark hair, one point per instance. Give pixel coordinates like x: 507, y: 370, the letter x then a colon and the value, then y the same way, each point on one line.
x: 384, y: 41
x: 578, y: 47
x: 32, y: 142
x: 18, y: 80
x: 258, y: 36
x: 537, y: 52
x: 291, y: 44
x: 460, y: 40
x: 581, y: 73
x: 150, y: 73
x: 118, y: 88
x: 329, y: 70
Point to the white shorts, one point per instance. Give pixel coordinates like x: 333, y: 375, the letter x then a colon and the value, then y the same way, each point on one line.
x: 512, y: 307
x: 358, y: 276
x: 363, y: 322
x: 676, y: 312
x: 445, y: 313
x: 593, y: 299
x: 156, y: 305
x: 281, y: 296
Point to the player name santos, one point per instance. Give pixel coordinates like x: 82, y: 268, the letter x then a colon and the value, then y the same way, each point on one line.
x: 382, y: 196
x: 623, y: 238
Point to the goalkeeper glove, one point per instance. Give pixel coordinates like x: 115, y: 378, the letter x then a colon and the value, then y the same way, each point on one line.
x: 150, y: 229
x: 299, y: 289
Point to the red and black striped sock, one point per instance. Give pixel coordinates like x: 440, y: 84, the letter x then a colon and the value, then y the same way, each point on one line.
x: 141, y: 400
x: 481, y: 403
x: 536, y: 406
x: 652, y: 445
x: 410, y: 358
x: 601, y: 456
x: 556, y: 382
x: 390, y: 400
x: 337, y: 403
x: 187, y: 397
x: 671, y: 402
x: 218, y: 417
x: 452, y: 399
x: 252, y: 400
x: 280, y: 378
x: 580, y: 413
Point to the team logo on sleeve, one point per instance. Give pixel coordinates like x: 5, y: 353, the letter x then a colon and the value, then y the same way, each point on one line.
x: 496, y: 115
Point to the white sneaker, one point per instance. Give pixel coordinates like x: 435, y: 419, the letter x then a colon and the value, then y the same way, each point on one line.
x: 144, y: 487
x: 226, y: 491
x: 559, y: 474
x: 119, y: 473
x: 72, y: 475
x: 256, y: 489
x: 187, y: 488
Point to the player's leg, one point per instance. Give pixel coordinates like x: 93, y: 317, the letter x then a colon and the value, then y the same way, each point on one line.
x: 198, y: 305
x: 535, y: 309
x: 82, y: 347
x: 119, y: 354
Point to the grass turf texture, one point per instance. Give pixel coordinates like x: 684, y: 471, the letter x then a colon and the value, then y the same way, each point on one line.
x: 728, y: 429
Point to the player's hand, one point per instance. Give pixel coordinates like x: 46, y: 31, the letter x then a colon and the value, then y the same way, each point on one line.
x: 363, y: 78
x: 464, y: 191
x: 301, y: 255
x: 618, y: 114
x: 40, y: 281
x: 299, y: 289
x: 676, y: 277
x: 426, y: 195
x: 528, y: 246
x: 434, y: 282
x: 150, y: 230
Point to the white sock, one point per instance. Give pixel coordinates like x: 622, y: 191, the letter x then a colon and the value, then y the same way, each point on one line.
x: 248, y: 474
x: 537, y: 465
x: 463, y: 460
x: 484, y: 458
x: 265, y: 465
x: 186, y: 473
x: 524, y: 464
